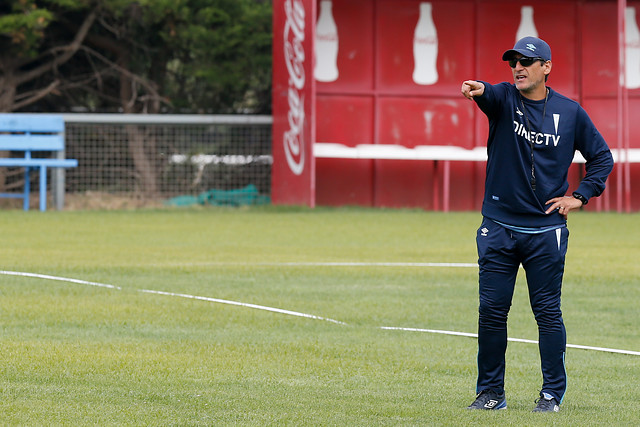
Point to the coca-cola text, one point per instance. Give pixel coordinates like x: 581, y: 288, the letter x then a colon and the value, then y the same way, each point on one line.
x: 294, y: 55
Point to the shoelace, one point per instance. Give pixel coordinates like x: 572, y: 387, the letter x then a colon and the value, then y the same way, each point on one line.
x: 484, y: 396
x: 546, y: 403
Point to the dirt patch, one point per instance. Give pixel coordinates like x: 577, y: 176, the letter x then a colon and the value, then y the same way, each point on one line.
x: 94, y: 200
x: 90, y: 200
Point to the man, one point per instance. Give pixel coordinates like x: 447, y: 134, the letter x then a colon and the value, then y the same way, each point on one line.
x: 533, y: 135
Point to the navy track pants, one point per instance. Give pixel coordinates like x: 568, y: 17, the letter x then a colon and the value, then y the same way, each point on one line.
x: 500, y: 253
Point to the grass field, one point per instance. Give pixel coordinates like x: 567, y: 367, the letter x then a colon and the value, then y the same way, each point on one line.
x: 146, y: 352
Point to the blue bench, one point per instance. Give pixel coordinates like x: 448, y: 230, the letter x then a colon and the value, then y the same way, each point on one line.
x: 28, y: 133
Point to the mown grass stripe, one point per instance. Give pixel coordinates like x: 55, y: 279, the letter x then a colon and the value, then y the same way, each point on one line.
x: 298, y: 314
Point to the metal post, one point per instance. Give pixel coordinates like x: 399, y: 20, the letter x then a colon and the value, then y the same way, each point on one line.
x: 619, y: 102
x: 57, y: 183
x: 27, y: 187
x: 57, y: 179
x: 43, y: 188
x: 624, y: 172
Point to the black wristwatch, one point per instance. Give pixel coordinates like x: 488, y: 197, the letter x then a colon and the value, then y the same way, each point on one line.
x: 580, y: 197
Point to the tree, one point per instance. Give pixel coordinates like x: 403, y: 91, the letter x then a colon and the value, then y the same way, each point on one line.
x: 21, y: 58
x: 135, y: 56
x: 144, y: 56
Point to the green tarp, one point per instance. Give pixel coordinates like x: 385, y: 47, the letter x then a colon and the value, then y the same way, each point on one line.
x: 248, y: 195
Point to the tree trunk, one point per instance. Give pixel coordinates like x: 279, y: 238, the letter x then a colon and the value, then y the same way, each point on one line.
x: 141, y: 148
x: 144, y: 165
x: 7, y: 94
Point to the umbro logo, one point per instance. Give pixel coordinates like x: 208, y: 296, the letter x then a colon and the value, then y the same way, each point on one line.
x: 490, y: 404
x: 531, y: 47
x: 484, y: 231
x: 518, y: 111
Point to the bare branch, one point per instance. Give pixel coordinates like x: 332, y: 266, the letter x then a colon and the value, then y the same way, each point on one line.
x: 68, y: 52
x: 27, y: 98
x: 148, y: 86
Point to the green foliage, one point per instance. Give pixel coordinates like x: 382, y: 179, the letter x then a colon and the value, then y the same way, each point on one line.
x: 24, y: 26
x: 151, y: 55
x: 225, y: 57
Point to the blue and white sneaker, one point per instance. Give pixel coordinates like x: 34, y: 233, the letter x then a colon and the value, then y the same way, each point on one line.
x: 546, y: 403
x: 489, y: 400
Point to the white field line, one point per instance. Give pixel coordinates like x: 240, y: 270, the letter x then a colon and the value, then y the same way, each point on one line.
x: 61, y: 279
x: 327, y: 264
x: 376, y: 264
x: 201, y: 298
x: 298, y: 314
x: 466, y: 334
x: 242, y: 304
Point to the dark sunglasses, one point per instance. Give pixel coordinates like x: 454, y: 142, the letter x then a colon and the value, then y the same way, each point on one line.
x: 525, y: 61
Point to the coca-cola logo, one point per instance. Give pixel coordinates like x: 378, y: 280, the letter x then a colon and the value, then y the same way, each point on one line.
x: 327, y: 37
x: 426, y: 40
x: 294, y: 55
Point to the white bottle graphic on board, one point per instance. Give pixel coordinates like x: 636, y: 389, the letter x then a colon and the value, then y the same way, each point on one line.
x: 326, y: 67
x: 631, y: 49
x: 527, y: 27
x: 425, y: 48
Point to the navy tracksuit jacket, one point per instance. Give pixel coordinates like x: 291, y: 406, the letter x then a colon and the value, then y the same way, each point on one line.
x: 515, y: 228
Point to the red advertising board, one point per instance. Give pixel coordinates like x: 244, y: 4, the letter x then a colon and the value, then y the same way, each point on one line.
x: 293, y: 170
x: 500, y: 23
x: 423, y: 48
x: 389, y: 72
x: 599, y: 67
